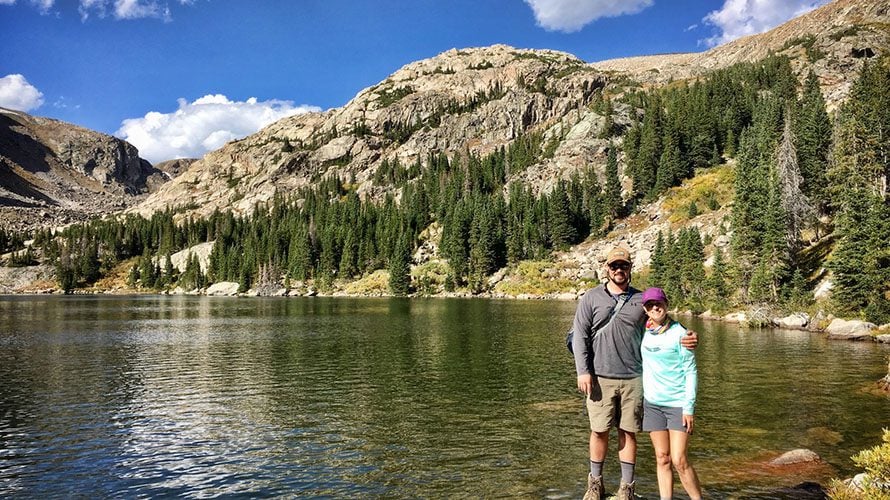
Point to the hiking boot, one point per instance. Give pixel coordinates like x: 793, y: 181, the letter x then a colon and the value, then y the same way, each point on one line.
x: 594, y: 488
x: 625, y: 491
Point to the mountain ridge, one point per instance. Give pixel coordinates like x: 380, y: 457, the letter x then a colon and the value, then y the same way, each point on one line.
x: 55, y: 173
x: 473, y: 101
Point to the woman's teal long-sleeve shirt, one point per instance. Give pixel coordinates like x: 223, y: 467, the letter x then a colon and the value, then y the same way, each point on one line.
x: 670, y: 375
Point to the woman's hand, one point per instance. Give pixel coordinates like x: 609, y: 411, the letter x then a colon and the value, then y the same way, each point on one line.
x: 688, y: 421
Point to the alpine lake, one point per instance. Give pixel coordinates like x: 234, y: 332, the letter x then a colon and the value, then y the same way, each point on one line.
x: 158, y: 396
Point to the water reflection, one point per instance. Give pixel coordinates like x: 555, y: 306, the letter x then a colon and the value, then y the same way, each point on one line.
x: 198, y: 396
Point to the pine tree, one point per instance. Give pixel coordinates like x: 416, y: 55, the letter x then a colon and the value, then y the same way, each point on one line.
x: 132, y: 277
x: 730, y: 144
x: 65, y: 272
x: 797, y: 296
x: 89, y: 263
x: 455, y: 242
x: 299, y: 255
x: 716, y: 284
x: 613, y: 199
x: 649, y: 153
x: 348, y: 258
x: 482, y: 243
x: 670, y: 164
x: 658, y: 265
x: 692, y: 271
x: 813, y: 131
x: 672, y: 278
x: 399, y: 268
x: 760, y: 289
x: 169, y: 271
x: 775, y: 253
x: 562, y: 232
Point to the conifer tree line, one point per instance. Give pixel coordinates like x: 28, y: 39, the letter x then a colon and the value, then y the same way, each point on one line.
x: 793, y: 163
x: 328, y: 232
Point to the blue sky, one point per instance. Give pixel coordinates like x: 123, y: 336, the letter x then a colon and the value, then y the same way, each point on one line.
x: 180, y: 77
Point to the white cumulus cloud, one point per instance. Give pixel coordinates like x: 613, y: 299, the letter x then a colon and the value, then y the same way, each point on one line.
x: 203, y: 125
x: 42, y: 5
x: 738, y: 18
x: 126, y: 9
x: 118, y: 9
x: 572, y: 15
x: 16, y: 93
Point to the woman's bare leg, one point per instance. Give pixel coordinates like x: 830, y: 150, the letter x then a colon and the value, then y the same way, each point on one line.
x: 678, y: 444
x: 662, y: 444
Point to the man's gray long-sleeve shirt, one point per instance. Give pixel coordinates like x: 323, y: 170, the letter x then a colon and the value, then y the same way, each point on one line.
x: 615, y: 351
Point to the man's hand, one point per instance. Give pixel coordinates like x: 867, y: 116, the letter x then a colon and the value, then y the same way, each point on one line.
x: 585, y: 384
x: 690, y: 340
x: 688, y: 420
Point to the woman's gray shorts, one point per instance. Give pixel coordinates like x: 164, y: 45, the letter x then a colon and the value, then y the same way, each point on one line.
x: 662, y: 418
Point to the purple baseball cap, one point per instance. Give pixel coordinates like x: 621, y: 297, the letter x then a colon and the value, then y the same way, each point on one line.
x: 654, y: 295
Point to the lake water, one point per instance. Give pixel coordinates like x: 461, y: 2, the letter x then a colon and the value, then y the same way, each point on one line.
x: 384, y: 398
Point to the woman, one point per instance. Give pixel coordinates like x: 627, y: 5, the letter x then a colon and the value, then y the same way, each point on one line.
x: 669, y: 383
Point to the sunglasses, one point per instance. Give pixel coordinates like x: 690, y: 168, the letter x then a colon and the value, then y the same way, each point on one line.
x: 624, y: 266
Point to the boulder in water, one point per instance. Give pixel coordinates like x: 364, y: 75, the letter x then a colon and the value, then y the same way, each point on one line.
x: 223, y: 288
x: 796, y: 320
x: 850, y: 330
x: 798, y: 456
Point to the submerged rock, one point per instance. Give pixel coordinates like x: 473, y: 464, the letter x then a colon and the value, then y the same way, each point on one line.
x: 803, y: 491
x: 824, y: 436
x: 798, y: 456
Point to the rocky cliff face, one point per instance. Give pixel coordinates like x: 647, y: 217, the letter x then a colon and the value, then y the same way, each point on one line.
x: 53, y: 172
x: 462, y: 101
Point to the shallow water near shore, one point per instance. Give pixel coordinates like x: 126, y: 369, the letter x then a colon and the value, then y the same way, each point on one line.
x: 343, y: 397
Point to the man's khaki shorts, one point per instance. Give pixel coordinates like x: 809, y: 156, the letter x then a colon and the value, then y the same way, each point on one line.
x: 616, y: 403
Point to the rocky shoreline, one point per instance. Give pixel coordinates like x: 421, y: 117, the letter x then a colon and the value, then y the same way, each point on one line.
x: 37, y: 280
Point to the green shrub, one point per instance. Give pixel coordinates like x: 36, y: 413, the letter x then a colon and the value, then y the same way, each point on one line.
x: 430, y: 277
x: 534, y: 278
x: 376, y: 283
x: 876, y: 462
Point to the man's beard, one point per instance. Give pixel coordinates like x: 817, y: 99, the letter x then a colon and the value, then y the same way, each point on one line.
x: 624, y: 281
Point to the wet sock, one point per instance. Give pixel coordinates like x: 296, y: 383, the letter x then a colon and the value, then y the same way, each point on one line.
x: 596, y: 468
x: 627, y: 472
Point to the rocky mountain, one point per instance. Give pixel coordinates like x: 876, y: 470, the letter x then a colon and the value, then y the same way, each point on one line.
x: 54, y: 173
x: 172, y: 168
x: 833, y: 40
x: 462, y: 101
x: 477, y: 100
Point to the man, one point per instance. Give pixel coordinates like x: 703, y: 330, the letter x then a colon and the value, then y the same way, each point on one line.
x: 609, y: 324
